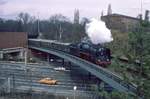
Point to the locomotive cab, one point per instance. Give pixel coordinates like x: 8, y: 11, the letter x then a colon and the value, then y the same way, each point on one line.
x: 103, y: 56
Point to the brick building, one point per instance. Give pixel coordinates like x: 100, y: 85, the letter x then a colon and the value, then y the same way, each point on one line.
x: 121, y: 22
x: 13, y: 39
x: 13, y: 44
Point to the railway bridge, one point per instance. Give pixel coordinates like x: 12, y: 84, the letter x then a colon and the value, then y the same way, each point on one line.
x: 105, y: 75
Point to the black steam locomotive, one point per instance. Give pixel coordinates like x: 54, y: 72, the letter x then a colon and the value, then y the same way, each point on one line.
x: 94, y: 53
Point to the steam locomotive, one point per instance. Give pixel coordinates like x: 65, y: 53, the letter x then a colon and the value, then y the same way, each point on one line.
x: 96, y: 54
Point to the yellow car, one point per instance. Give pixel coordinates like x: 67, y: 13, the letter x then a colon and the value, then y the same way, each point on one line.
x: 48, y: 81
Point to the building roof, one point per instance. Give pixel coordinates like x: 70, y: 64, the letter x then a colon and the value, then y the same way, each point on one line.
x: 120, y: 15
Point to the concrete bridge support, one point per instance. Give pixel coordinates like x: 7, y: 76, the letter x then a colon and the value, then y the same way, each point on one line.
x: 21, y: 54
x: 48, y: 58
x: 25, y: 59
x: 63, y: 62
x: 1, y: 55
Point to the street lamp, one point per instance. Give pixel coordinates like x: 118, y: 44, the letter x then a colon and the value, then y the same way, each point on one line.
x: 74, y: 88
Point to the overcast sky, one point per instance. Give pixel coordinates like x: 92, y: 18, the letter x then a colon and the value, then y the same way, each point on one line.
x: 87, y: 8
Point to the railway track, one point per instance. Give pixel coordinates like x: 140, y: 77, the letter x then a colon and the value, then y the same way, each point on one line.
x: 37, y: 74
x: 26, y: 79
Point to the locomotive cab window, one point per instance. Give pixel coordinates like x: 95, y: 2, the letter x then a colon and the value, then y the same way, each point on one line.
x: 86, y: 46
x: 80, y: 46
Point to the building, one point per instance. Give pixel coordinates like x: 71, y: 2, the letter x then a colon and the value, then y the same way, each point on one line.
x: 76, y: 16
x: 121, y: 22
x: 109, y: 11
x: 12, y: 45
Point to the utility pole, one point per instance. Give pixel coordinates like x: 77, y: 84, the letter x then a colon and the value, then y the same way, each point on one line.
x: 40, y: 36
x: 38, y: 24
x: 141, y: 7
x: 60, y: 32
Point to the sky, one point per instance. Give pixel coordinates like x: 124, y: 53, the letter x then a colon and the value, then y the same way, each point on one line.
x: 87, y: 8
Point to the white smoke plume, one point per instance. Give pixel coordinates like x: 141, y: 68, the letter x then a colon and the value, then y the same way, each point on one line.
x: 98, y: 32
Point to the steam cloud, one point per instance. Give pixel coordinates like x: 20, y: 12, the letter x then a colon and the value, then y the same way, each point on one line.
x: 98, y: 32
